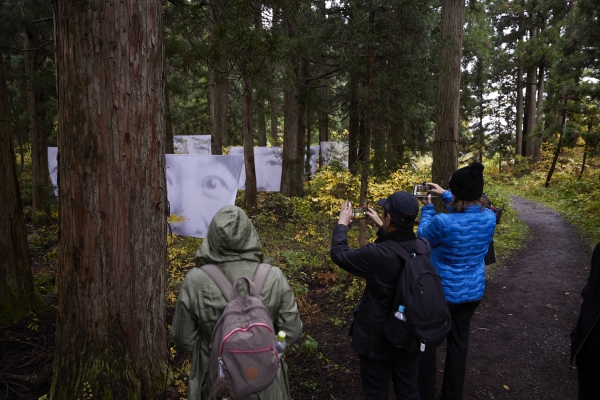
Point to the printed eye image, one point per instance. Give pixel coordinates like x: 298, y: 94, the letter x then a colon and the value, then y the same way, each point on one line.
x: 197, y: 187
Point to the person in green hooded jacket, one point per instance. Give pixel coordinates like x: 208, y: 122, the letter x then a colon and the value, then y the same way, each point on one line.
x: 232, y: 243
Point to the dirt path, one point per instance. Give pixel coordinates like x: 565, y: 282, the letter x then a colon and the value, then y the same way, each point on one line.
x: 519, y: 343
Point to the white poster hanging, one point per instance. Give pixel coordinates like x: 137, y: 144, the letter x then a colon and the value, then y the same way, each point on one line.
x: 334, y: 152
x: 191, y: 144
x: 197, y: 187
x: 267, y: 163
x: 53, y: 167
x: 314, y: 156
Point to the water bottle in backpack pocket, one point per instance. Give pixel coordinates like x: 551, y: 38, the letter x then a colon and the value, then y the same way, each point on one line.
x: 420, y: 290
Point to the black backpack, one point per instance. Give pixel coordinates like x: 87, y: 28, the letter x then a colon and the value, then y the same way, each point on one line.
x: 420, y: 290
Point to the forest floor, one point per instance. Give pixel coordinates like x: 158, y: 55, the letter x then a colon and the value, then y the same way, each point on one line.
x: 519, y: 343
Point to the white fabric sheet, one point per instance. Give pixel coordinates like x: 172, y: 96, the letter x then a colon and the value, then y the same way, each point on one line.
x: 198, y: 186
x: 267, y: 162
x: 314, y: 157
x: 191, y: 144
x: 53, y: 167
x: 337, y: 151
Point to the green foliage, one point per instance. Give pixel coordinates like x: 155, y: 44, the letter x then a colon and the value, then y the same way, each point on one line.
x: 575, y: 199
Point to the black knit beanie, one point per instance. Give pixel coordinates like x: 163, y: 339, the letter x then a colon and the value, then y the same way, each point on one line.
x: 467, y: 182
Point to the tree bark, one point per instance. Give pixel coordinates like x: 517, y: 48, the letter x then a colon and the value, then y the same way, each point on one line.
x: 536, y: 142
x: 519, y: 121
x: 18, y: 295
x: 219, y: 99
x: 302, y: 126
x: 323, y: 116
x: 395, y: 147
x: 519, y: 107
x: 531, y: 101
x: 111, y: 328
x: 218, y: 88
x: 274, y: 113
x: 445, y: 143
x: 169, y: 145
x: 353, y: 126
x: 259, y: 101
x: 250, y: 192
x: 531, y: 111
x: 291, y: 157
x: 40, y: 176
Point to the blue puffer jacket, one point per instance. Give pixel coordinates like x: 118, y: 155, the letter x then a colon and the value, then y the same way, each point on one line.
x: 459, y: 242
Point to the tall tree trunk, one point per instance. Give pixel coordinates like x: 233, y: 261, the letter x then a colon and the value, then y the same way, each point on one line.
x: 111, y: 328
x: 18, y: 295
x: 531, y: 104
x: 40, y: 176
x: 250, y: 192
x: 445, y: 143
x: 537, y: 141
x: 395, y: 147
x: 380, y: 139
x: 290, y: 131
x: 368, y: 134
x: 353, y: 126
x: 323, y: 115
x: 218, y: 86
x: 302, y: 126
x: 273, y: 105
x: 531, y: 111
x: 259, y: 101
x: 169, y: 145
x: 519, y: 120
x: 261, y: 124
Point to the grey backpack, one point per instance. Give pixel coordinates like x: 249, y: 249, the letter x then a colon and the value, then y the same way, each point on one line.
x: 243, y: 358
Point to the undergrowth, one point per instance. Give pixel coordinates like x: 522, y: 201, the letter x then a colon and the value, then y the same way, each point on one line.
x: 296, y: 236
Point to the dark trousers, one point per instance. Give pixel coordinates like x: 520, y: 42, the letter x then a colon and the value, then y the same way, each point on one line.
x: 375, y: 377
x: 588, y: 366
x: 457, y: 343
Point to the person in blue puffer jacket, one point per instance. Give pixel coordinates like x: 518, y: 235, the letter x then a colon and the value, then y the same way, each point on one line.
x: 459, y: 242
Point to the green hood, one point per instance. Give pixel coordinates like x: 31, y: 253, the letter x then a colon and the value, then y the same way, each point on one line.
x: 230, y: 237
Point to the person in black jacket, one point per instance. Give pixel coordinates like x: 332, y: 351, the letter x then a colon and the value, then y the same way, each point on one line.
x: 585, y: 339
x: 380, y: 266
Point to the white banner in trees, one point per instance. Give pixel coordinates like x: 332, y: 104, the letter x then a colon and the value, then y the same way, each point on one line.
x: 334, y: 152
x: 314, y: 156
x: 53, y: 167
x: 197, y: 187
x: 191, y: 144
x: 267, y: 163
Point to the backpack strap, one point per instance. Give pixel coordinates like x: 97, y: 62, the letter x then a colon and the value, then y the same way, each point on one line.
x: 422, y: 248
x: 219, y: 278
x: 260, y: 277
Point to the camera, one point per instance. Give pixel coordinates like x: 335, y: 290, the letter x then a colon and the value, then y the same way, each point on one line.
x: 421, y: 190
x: 359, y: 212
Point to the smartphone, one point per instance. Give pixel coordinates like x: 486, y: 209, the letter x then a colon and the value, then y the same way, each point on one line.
x: 359, y: 212
x: 422, y: 190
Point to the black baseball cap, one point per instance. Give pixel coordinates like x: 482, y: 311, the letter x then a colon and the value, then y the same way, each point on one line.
x: 401, y: 206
